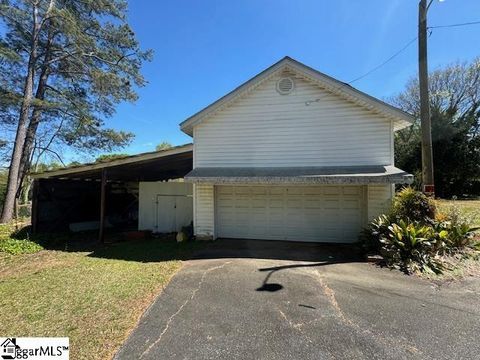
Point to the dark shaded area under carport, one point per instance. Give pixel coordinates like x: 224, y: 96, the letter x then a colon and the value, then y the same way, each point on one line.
x: 102, y: 195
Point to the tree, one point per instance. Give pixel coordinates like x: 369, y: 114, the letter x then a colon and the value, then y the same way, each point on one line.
x: 164, y: 145
x: 455, y: 111
x: 3, y: 184
x: 110, y: 157
x: 64, y: 66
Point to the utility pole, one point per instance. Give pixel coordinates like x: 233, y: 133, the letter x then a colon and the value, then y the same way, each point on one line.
x: 425, y: 120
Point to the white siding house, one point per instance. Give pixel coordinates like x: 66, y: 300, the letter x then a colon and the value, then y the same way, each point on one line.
x: 292, y: 154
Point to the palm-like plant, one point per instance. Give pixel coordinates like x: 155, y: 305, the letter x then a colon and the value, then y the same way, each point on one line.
x: 411, y: 247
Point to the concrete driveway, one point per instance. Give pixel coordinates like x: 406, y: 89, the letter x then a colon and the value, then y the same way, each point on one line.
x: 304, y: 302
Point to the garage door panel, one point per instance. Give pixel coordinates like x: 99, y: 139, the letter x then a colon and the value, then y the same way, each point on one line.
x: 294, y: 204
x: 351, y: 190
x: 296, y: 213
x: 331, y: 204
x: 331, y: 190
x: 294, y: 191
x: 275, y: 203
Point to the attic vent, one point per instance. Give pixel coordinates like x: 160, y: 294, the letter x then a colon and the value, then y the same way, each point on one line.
x: 285, y: 86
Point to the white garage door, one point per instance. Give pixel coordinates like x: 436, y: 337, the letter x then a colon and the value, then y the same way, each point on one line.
x: 297, y: 213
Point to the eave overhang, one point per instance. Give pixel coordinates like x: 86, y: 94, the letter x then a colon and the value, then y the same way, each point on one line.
x: 346, y: 175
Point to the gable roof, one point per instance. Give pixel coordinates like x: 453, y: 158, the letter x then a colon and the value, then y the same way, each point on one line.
x: 400, y: 118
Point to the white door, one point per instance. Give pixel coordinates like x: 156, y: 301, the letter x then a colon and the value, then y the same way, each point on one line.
x: 173, y: 212
x: 294, y: 213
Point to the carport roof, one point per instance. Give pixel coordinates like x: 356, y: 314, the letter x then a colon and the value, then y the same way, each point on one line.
x: 152, y: 166
x: 300, y: 175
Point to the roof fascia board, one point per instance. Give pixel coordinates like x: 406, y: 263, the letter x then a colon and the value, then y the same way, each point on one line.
x: 113, y: 163
x: 320, y: 180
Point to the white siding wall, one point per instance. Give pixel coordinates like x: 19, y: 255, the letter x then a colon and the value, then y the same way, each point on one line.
x: 379, y: 199
x: 265, y: 128
x: 204, y: 217
x: 149, y: 196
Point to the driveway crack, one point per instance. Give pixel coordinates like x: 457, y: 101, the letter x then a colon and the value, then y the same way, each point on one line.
x: 180, y: 309
x: 387, y: 341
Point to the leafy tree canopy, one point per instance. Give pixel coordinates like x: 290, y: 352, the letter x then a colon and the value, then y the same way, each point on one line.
x: 109, y: 157
x: 455, y: 111
x: 164, y: 145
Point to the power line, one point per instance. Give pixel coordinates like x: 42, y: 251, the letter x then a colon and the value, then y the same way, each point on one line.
x: 408, y: 44
x: 455, y: 25
x: 386, y: 61
x: 307, y: 103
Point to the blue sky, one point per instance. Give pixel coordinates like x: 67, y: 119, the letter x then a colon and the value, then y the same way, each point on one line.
x: 204, y: 49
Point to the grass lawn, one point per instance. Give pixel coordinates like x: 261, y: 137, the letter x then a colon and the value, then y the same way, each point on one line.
x: 95, y: 298
x: 468, y: 207
x: 461, y: 267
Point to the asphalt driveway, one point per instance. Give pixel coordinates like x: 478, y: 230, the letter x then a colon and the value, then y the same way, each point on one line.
x: 304, y: 303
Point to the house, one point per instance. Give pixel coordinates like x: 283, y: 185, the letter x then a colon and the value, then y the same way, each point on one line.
x: 8, y: 348
x: 291, y: 154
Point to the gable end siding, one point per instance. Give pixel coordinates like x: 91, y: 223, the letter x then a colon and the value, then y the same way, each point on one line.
x: 265, y: 128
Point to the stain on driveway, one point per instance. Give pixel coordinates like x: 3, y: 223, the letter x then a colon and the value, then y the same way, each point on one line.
x: 248, y: 308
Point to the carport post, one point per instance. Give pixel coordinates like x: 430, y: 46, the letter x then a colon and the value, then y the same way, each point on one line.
x: 34, y: 211
x: 102, y: 206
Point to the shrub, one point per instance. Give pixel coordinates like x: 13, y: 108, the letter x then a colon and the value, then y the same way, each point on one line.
x: 413, y: 206
x: 374, y: 232
x: 412, y: 236
x: 460, y: 228
x: 411, y: 247
x: 461, y: 236
x: 15, y: 246
x: 16, y: 242
x: 408, y: 205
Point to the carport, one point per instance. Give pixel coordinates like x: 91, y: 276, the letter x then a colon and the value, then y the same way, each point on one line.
x: 102, y: 195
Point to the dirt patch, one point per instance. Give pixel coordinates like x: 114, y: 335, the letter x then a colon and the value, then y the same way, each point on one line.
x: 21, y: 265
x: 458, y: 267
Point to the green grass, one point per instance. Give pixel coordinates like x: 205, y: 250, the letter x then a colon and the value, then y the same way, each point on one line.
x: 95, y: 298
x: 467, y: 207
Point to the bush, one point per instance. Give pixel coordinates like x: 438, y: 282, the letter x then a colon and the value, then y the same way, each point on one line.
x: 374, y: 232
x: 459, y: 227
x: 412, y: 236
x: 16, y: 242
x: 408, y: 205
x: 461, y: 236
x: 15, y: 246
x: 413, y: 206
x: 411, y: 247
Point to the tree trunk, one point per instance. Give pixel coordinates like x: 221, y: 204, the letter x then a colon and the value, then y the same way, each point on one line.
x: 31, y: 133
x: 13, y: 173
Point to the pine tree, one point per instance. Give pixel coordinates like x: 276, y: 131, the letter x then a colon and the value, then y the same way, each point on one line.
x: 64, y: 66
